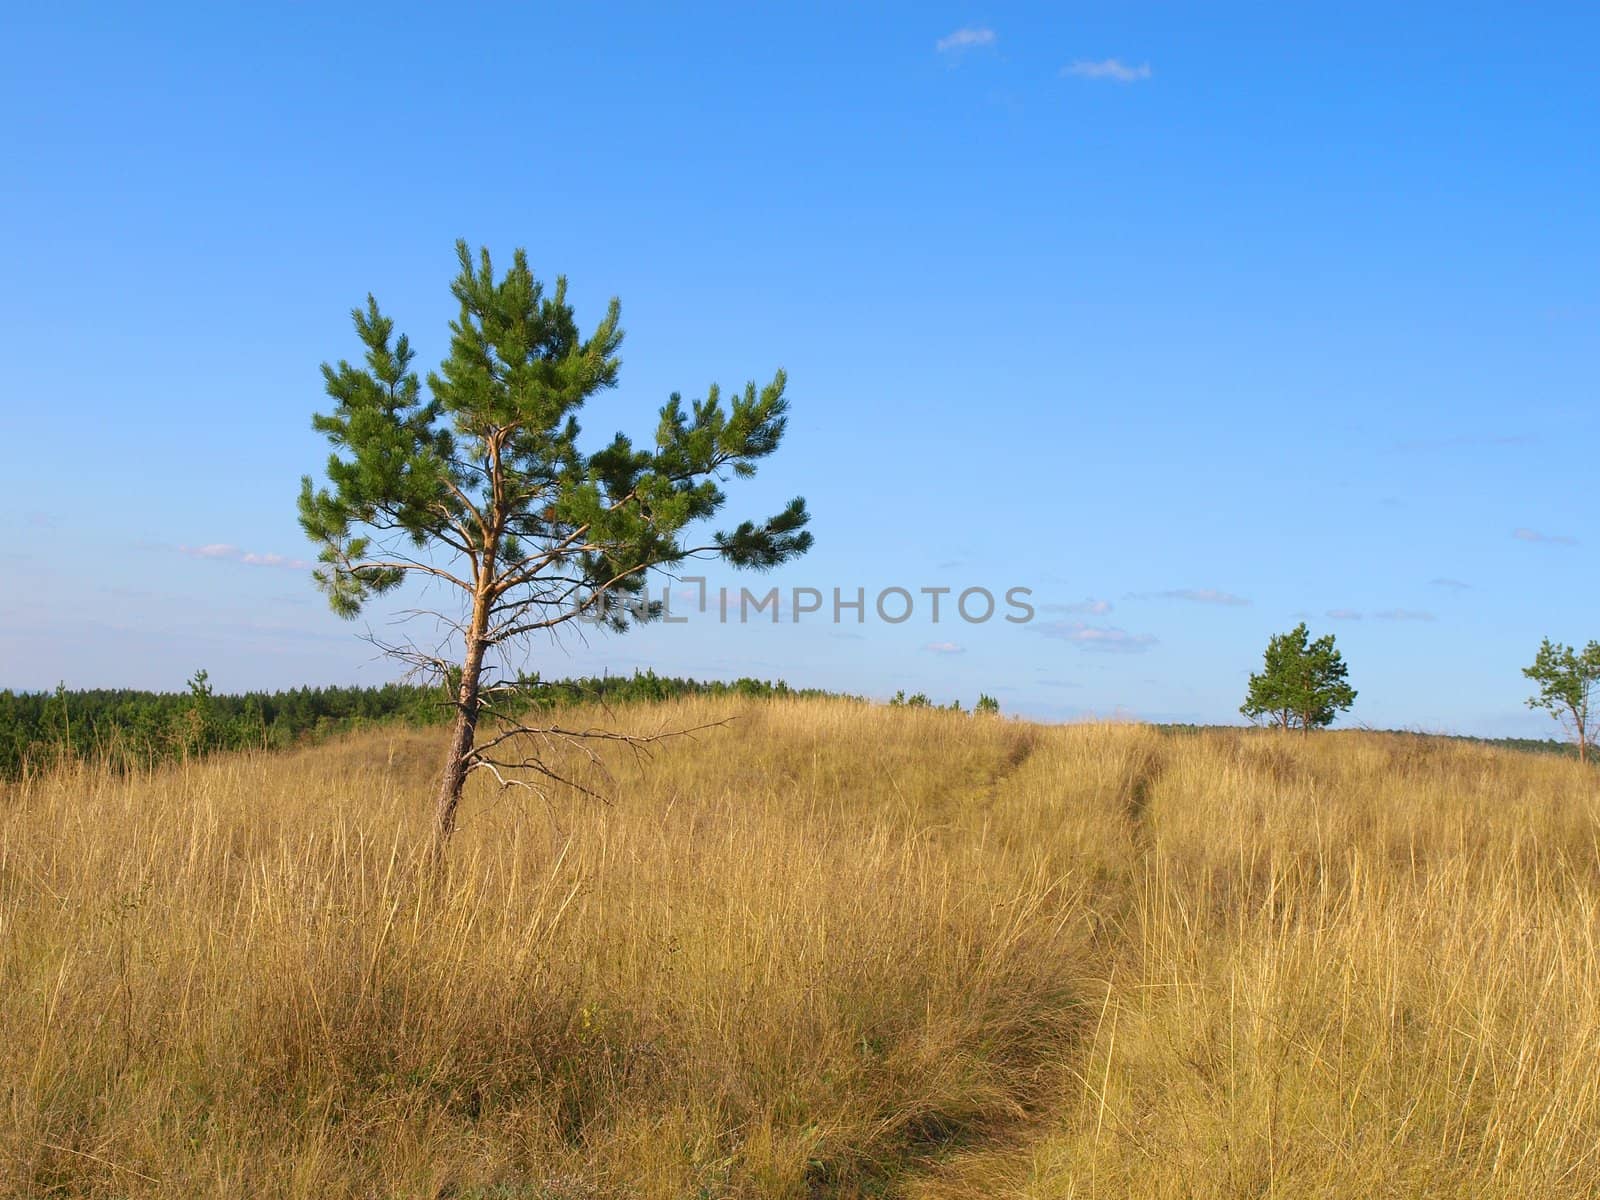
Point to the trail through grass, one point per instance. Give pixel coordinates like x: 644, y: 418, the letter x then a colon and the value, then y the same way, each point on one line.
x: 828, y: 950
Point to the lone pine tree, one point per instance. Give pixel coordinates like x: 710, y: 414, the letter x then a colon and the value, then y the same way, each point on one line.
x: 1302, y: 684
x: 482, y: 486
x: 1567, y: 680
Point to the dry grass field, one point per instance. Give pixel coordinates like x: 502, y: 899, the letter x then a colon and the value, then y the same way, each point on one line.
x: 826, y: 950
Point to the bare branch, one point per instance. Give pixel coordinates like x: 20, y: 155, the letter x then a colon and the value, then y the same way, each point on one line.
x: 496, y: 770
x: 501, y: 633
x: 399, y: 563
x: 576, y: 741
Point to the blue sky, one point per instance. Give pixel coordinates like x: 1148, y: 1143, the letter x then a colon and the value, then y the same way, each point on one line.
x: 1195, y: 321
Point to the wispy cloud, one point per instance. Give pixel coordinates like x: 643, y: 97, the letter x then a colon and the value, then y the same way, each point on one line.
x: 1093, y: 607
x: 1095, y: 637
x: 1548, y: 539
x: 1198, y: 596
x: 1343, y: 614
x: 944, y: 648
x: 1461, y: 441
x: 1455, y: 585
x: 225, y: 552
x: 962, y: 40
x: 1113, y: 69
x: 1404, y: 614
x: 214, y: 550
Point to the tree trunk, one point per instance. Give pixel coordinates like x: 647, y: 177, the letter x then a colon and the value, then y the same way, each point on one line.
x: 468, y: 698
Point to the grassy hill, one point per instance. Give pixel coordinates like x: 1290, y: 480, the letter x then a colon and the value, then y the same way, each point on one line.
x: 825, y: 950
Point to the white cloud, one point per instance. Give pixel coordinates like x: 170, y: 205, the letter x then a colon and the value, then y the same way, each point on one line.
x: 1203, y: 596
x: 1206, y: 596
x: 1091, y: 606
x: 1343, y: 614
x: 225, y: 552
x: 964, y: 39
x: 1095, y: 637
x: 1111, y: 68
x: 1549, y: 539
x: 944, y: 648
x: 1455, y: 585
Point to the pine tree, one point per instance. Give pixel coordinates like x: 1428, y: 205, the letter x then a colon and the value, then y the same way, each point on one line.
x: 1567, y: 680
x: 1302, y: 684
x: 483, y: 486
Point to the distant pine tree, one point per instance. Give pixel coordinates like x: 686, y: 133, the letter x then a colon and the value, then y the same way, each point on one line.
x: 1303, y: 684
x: 1567, y: 680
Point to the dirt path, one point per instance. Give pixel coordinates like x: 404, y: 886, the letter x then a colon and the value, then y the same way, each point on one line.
x: 1000, y: 1165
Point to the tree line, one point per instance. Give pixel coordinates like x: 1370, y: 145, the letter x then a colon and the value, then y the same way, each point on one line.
x: 127, y: 727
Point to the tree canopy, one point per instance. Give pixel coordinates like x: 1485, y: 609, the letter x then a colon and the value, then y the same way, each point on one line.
x: 1302, y: 684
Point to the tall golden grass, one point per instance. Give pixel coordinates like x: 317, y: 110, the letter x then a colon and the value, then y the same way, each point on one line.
x: 825, y: 950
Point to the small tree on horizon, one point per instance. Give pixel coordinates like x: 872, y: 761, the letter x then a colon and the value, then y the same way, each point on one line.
x: 1567, y: 680
x: 1302, y: 684
x: 196, y: 724
x: 481, y: 489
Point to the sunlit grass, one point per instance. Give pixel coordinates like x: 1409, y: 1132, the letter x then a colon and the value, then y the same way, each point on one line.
x: 826, y: 949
